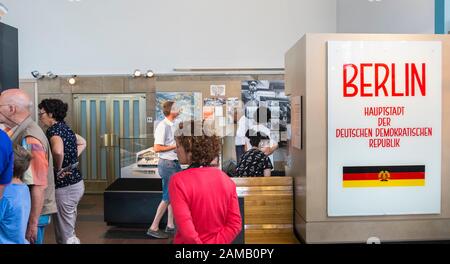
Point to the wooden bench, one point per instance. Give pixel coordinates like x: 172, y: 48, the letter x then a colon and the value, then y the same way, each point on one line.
x: 268, y: 209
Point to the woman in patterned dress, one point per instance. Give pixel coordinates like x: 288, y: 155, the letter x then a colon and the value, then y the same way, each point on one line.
x: 254, y: 162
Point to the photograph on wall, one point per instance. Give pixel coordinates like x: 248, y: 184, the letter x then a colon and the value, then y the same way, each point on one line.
x: 270, y: 94
x: 190, y: 104
x: 232, y: 107
x: 214, y: 101
x: 217, y: 90
x: 208, y: 112
x: 213, y: 107
x: 256, y: 93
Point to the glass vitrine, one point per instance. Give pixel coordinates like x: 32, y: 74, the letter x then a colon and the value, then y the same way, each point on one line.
x: 137, y: 158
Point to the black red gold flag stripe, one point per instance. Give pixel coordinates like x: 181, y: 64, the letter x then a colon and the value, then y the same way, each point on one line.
x: 383, y: 176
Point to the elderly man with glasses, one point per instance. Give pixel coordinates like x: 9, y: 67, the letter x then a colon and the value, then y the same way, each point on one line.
x: 15, y: 115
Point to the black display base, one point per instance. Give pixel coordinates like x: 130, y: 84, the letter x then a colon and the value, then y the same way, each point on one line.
x: 131, y: 202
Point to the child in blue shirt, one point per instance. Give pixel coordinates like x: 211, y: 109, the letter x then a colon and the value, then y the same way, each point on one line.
x: 6, y: 161
x: 15, y: 205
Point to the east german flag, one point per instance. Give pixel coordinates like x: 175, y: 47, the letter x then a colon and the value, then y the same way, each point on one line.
x: 383, y: 176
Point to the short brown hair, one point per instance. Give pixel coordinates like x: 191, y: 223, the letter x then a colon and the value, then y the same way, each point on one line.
x: 167, y: 107
x: 22, y: 159
x: 204, y: 146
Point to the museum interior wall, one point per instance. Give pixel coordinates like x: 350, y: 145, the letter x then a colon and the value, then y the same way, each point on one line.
x: 86, y: 38
x: 91, y: 87
x: 397, y: 17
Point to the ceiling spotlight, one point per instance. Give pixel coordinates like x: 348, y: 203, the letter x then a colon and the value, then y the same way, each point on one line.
x: 37, y: 75
x: 72, y: 80
x: 137, y: 73
x: 51, y: 75
x: 149, y: 74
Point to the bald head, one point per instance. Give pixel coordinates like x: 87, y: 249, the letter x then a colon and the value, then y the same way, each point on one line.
x: 15, y: 107
x: 17, y: 98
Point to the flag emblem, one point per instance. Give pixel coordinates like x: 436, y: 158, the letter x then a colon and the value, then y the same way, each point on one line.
x: 383, y: 176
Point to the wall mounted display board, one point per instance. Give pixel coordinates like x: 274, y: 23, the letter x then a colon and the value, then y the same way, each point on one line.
x: 384, y: 127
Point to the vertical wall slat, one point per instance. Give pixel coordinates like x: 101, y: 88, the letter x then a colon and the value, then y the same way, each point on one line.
x: 88, y: 139
x: 103, y: 131
x: 117, y: 131
x: 94, y: 141
x: 136, y: 119
x: 82, y: 126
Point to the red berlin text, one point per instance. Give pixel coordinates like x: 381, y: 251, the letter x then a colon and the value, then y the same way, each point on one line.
x: 415, y: 78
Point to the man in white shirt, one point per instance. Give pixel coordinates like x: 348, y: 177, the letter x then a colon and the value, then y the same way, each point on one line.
x: 243, y: 125
x: 168, y: 165
x: 263, y: 117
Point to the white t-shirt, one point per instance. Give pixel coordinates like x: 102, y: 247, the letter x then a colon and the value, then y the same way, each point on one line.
x: 242, y: 126
x: 164, y: 135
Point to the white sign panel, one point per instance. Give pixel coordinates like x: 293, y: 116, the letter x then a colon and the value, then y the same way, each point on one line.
x: 384, y: 127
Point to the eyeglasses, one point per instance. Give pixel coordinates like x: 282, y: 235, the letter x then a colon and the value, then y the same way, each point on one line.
x: 41, y: 113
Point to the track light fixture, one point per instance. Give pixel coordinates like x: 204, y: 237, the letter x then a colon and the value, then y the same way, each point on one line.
x: 137, y: 73
x: 72, y: 80
x: 51, y: 75
x: 149, y: 74
x: 37, y: 75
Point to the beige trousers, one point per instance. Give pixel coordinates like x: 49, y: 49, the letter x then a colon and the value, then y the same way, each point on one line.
x: 67, y: 199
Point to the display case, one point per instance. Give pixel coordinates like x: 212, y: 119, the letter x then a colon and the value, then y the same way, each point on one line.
x: 137, y: 158
x: 132, y: 200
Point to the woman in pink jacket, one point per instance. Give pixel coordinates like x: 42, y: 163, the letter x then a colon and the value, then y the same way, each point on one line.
x: 204, y: 199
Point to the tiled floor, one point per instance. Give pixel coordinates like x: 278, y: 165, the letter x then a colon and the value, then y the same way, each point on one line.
x: 91, y: 229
